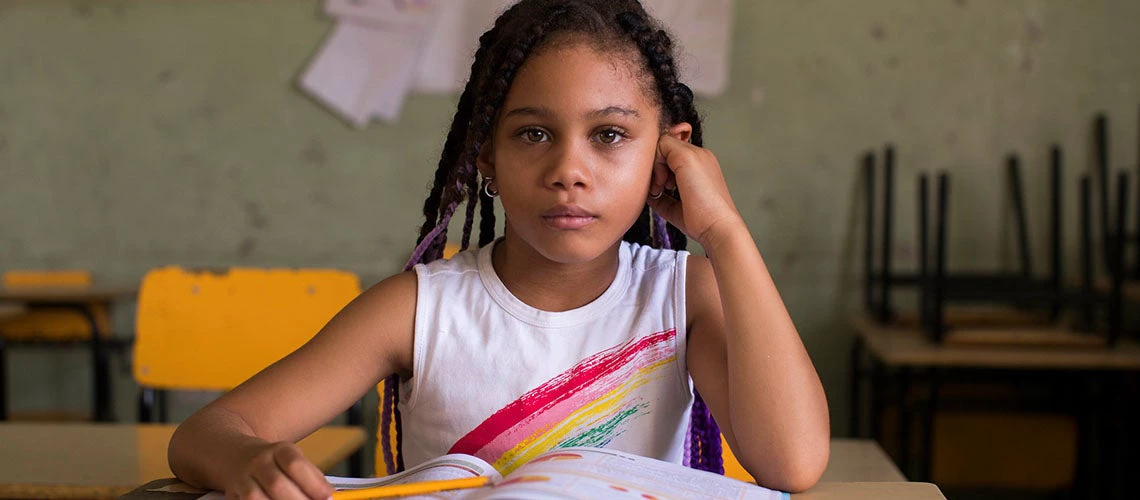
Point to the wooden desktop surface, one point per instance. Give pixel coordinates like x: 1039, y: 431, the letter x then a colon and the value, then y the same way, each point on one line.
x: 871, y: 491
x: 903, y: 346
x: 88, y: 460
x: 860, y: 460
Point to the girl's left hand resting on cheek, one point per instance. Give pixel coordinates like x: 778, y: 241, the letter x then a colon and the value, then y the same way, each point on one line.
x: 707, y: 212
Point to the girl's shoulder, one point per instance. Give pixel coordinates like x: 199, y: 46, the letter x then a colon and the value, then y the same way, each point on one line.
x: 462, y: 262
x: 644, y: 257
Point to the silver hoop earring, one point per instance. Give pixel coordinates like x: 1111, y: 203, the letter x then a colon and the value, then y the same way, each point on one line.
x: 487, y: 187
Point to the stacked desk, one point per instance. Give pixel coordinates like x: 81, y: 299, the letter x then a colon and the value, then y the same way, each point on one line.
x: 912, y: 368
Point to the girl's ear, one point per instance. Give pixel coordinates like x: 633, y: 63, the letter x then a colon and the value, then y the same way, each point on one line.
x: 485, y: 162
x: 681, y: 131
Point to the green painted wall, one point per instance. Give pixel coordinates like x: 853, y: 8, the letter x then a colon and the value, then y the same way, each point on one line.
x: 141, y: 133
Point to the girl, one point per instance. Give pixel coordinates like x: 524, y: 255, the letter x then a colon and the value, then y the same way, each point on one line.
x: 567, y: 330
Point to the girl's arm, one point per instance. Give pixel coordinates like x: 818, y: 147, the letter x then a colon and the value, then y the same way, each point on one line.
x: 243, y: 441
x: 744, y: 355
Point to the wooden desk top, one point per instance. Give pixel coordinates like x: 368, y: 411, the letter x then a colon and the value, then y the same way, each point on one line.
x: 107, y: 460
x: 859, y: 460
x: 58, y: 294
x: 901, y: 346
x: 868, y: 491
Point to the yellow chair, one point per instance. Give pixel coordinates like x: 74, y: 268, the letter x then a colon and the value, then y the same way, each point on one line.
x: 732, y: 467
x: 201, y: 330
x: 52, y: 323
x: 55, y: 325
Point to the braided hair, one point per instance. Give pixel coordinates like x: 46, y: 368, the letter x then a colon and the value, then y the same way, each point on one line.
x: 523, y: 29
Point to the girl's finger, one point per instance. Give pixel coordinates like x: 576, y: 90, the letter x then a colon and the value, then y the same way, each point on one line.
x: 277, y: 485
x: 249, y: 490
x: 657, y: 180
x: 303, y: 473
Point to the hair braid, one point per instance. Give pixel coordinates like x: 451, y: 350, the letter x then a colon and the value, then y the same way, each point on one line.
x: 469, y: 219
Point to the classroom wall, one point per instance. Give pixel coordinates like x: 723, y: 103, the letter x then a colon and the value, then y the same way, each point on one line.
x: 141, y: 133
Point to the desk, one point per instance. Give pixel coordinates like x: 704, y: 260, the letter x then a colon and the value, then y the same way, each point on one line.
x: 913, y: 358
x: 89, y: 460
x: 858, y: 469
x: 871, y: 491
x: 77, y: 298
x: 859, y: 460
x: 823, y: 491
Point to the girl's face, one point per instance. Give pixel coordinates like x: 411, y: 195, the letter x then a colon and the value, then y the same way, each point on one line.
x: 573, y: 151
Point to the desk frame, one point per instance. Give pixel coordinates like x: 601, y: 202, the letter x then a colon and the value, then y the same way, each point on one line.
x: 1088, y: 392
x: 77, y: 299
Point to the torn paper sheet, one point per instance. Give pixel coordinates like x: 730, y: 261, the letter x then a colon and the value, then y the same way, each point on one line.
x: 398, y: 14
x: 365, y: 67
x: 447, y: 57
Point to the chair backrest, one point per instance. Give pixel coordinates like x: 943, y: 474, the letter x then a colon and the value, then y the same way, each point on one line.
x: 202, y: 330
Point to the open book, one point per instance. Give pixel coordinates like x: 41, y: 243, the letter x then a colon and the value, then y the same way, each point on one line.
x: 568, y: 473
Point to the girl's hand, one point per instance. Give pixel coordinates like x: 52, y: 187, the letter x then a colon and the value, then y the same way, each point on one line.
x: 707, y: 213
x: 278, y: 470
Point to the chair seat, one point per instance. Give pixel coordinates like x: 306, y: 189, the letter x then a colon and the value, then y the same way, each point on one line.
x: 52, y: 324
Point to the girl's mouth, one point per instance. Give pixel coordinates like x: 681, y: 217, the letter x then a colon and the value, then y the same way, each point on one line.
x: 568, y: 221
x: 568, y: 217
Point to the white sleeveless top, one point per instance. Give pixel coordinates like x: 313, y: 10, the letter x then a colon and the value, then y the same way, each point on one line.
x: 501, y: 380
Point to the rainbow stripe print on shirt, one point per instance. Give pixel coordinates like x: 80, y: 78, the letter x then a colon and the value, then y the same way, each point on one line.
x: 590, y: 404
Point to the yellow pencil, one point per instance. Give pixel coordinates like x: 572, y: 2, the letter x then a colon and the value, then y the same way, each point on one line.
x: 396, y: 490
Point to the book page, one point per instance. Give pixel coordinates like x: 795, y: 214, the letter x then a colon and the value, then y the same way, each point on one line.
x: 599, y: 473
x: 455, y: 466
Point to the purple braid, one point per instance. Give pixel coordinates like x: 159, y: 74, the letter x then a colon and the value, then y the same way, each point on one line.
x: 385, y: 418
x: 472, y: 202
x: 660, y: 233
x: 399, y: 423
x: 709, y: 454
x: 431, y: 247
x: 697, y: 428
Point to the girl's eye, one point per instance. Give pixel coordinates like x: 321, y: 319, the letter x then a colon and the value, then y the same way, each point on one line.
x: 535, y: 135
x: 610, y: 136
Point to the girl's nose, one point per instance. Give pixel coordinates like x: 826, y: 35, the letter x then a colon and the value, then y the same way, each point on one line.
x: 569, y: 168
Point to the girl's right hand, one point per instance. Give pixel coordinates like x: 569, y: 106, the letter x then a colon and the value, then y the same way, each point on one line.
x: 278, y: 470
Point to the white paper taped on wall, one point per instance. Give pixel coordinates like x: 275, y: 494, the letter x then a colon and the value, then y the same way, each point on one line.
x: 380, y: 50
